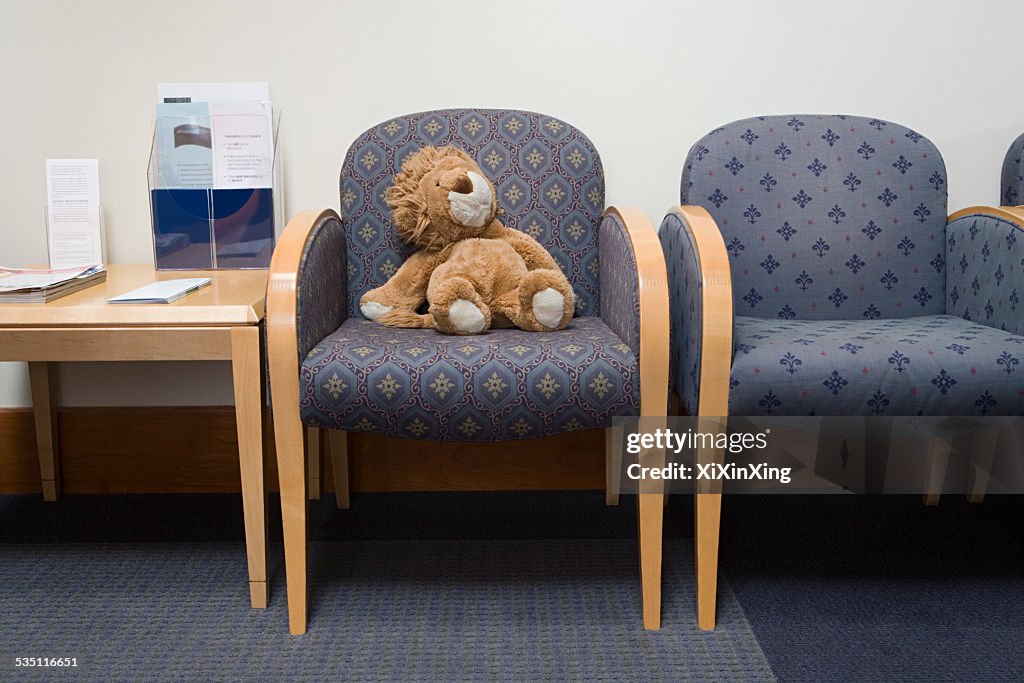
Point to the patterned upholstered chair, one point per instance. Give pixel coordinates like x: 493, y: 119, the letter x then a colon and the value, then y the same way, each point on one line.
x: 330, y: 368
x: 1011, y: 189
x: 853, y: 294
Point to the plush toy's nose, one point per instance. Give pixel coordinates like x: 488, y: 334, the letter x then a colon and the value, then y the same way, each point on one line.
x: 457, y: 181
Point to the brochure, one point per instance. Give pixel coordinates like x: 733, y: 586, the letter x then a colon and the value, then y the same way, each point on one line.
x: 73, y: 230
x: 214, y: 135
x: 184, y: 145
x: 243, y: 148
x: 161, y: 291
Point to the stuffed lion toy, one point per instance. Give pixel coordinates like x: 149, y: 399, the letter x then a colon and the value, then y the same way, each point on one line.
x: 473, y: 272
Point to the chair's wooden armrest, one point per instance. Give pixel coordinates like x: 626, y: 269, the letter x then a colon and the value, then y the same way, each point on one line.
x: 1014, y: 214
x: 1017, y: 210
x: 652, y: 284
x: 282, y: 304
x: 716, y: 307
x: 974, y: 287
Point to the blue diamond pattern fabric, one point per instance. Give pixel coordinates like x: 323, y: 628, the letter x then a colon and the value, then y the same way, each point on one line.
x: 320, y: 295
x: 825, y: 217
x: 548, y: 175
x: 985, y: 271
x: 927, y: 365
x: 1011, y: 189
x: 620, y: 286
x: 506, y: 384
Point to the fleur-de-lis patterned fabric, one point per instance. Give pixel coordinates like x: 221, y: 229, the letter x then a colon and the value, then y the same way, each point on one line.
x: 928, y: 365
x: 547, y: 174
x: 686, y: 315
x: 506, y: 384
x: 985, y: 262
x: 825, y: 217
x: 1011, y: 190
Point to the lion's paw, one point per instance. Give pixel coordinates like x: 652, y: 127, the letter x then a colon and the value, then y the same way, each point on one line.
x: 548, y: 307
x: 466, y: 317
x: 372, y: 310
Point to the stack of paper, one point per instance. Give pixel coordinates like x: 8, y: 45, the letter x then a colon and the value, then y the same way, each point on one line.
x: 214, y: 135
x: 27, y: 286
x: 161, y: 292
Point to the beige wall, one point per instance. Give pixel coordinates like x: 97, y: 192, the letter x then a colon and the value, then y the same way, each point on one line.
x: 642, y: 79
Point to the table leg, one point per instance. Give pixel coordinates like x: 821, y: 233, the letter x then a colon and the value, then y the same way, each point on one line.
x: 43, y: 380
x: 247, y: 371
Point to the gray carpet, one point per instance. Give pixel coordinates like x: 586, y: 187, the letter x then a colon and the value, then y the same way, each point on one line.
x: 553, y: 609
x: 880, y: 588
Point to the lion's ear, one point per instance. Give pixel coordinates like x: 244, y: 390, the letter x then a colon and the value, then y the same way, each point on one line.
x: 408, y: 205
x: 407, y: 211
x: 410, y: 218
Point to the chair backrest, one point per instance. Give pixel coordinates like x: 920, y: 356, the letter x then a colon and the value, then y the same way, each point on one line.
x: 547, y: 173
x: 825, y: 217
x: 1011, y: 189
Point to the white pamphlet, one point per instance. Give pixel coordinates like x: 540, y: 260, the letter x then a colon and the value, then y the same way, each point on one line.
x: 74, y: 230
x: 243, y: 144
x: 215, y: 135
x: 184, y: 145
x: 161, y: 291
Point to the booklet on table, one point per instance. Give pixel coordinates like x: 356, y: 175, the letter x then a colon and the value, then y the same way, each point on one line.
x: 161, y: 291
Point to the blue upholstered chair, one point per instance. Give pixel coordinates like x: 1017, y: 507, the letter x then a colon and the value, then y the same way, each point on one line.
x: 1011, y: 189
x: 853, y: 294
x: 330, y: 368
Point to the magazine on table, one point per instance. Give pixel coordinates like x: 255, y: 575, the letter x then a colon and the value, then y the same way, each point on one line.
x: 40, y: 285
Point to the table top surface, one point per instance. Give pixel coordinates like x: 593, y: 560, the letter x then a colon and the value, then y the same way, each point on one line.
x: 234, y: 297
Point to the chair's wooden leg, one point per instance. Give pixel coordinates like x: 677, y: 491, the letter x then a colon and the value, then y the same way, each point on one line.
x: 708, y: 516
x: 247, y: 372
x: 43, y: 380
x: 935, y: 468
x: 289, y: 437
x: 611, y: 469
x: 827, y: 456
x: 708, y: 511
x: 651, y: 516
x: 651, y: 511
x: 291, y: 472
x: 315, y: 461
x: 983, y: 451
x: 856, y: 450
x: 337, y: 445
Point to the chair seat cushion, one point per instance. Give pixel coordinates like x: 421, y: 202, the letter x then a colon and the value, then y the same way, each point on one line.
x: 928, y: 365
x: 505, y: 384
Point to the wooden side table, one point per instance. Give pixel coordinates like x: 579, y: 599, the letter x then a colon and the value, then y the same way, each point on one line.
x: 219, y: 322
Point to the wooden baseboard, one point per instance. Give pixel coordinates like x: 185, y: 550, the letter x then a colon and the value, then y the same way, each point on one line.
x: 19, y: 465
x: 194, y: 450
